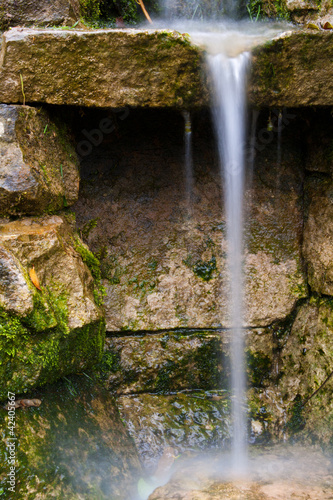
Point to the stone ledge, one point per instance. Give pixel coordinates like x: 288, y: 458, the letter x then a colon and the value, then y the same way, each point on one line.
x: 154, y: 68
x: 101, y: 68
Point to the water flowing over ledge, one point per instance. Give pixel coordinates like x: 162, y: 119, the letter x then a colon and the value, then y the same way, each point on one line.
x: 154, y: 68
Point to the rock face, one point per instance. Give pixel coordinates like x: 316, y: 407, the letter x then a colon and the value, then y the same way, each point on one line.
x: 163, y: 269
x: 164, y: 362
x: 194, y: 421
x: 52, y: 330
x: 40, y: 13
x: 73, y: 445
x: 318, y: 234
x: 105, y: 68
x: 38, y: 166
x: 306, y: 364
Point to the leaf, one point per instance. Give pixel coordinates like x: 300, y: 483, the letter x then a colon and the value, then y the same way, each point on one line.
x: 34, y: 278
x: 328, y: 26
x: 313, y: 26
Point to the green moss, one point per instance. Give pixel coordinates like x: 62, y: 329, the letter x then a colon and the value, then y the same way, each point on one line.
x: 89, y: 226
x: 28, y: 358
x: 296, y: 421
x: 206, y: 270
x: 95, y: 268
x: 110, y: 362
x: 259, y: 367
x: 103, y: 13
x: 90, y: 9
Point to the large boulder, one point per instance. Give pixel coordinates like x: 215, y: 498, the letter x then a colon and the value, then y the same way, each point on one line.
x: 50, y: 324
x: 38, y: 165
x: 38, y: 13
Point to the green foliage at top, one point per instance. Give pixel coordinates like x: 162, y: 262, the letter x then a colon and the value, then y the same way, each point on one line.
x: 263, y: 9
x: 91, y: 9
x: 101, y: 13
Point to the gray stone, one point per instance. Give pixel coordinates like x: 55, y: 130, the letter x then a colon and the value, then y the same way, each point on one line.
x: 38, y: 13
x: 38, y: 167
x: 15, y: 294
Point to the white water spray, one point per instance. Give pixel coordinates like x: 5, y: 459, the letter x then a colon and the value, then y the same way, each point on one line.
x: 229, y: 82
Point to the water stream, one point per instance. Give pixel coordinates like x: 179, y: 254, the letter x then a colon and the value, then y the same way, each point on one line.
x: 229, y: 82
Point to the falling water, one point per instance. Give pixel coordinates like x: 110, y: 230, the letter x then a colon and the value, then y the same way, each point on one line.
x: 188, y: 161
x: 229, y: 80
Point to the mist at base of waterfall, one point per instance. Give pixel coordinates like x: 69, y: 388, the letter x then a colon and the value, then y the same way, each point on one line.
x: 277, y: 472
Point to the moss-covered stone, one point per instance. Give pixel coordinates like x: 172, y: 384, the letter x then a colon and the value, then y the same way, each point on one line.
x: 41, y: 13
x: 59, y: 329
x: 318, y: 234
x: 194, y: 421
x: 72, y: 446
x: 288, y: 72
x: 164, y: 362
x: 39, y: 166
x: 143, y: 68
x: 307, y: 361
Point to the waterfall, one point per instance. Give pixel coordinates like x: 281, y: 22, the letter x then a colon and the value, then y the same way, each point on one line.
x: 229, y: 82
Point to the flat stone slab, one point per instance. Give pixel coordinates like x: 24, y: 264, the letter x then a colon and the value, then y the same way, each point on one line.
x: 154, y: 68
x: 294, y: 70
x: 105, y: 68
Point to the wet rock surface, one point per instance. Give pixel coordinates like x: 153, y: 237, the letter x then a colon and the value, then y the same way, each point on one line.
x: 55, y: 328
x: 164, y: 268
x: 185, y: 421
x: 38, y: 165
x: 288, y: 72
x: 73, y: 445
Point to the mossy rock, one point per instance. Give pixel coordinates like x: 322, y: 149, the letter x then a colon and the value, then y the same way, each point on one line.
x: 50, y: 323
x: 72, y: 446
x: 39, y: 166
